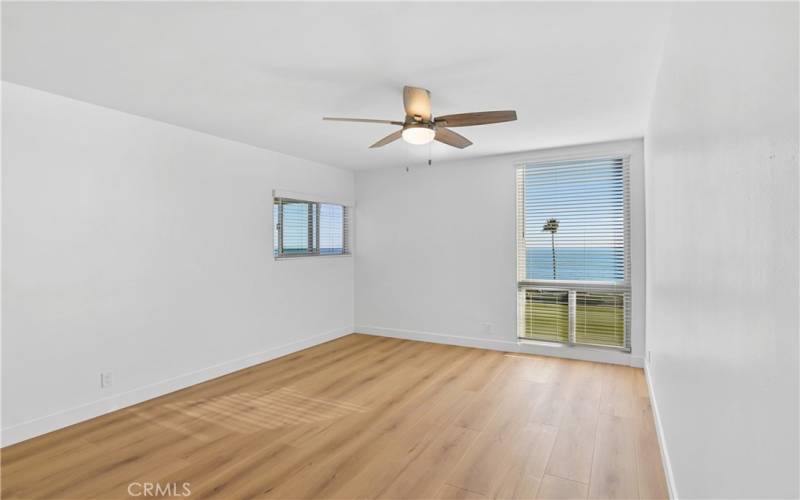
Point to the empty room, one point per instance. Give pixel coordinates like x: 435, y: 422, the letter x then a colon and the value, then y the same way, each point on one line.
x: 400, y: 250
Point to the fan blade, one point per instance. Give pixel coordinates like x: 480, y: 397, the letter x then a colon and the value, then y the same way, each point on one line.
x: 389, y: 138
x: 417, y: 102
x: 361, y: 120
x: 480, y: 118
x: 451, y: 138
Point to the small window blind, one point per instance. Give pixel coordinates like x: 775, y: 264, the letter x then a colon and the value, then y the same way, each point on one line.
x: 573, y: 244
x: 307, y: 228
x: 546, y: 315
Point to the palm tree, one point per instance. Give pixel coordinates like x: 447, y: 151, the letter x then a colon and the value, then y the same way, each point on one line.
x: 552, y: 226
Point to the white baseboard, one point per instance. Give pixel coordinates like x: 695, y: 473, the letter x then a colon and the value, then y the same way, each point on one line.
x: 559, y: 351
x: 662, y: 444
x: 64, y: 418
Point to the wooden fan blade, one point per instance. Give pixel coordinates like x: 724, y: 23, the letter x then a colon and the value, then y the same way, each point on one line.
x: 451, y: 138
x: 389, y: 138
x: 480, y: 118
x: 361, y: 120
x: 417, y: 102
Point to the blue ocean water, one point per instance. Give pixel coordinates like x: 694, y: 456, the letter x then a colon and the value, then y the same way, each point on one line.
x: 573, y: 263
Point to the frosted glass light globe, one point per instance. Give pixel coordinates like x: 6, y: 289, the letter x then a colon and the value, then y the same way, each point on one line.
x: 418, y: 135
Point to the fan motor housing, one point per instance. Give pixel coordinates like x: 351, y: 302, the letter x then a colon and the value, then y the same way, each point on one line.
x: 418, y: 124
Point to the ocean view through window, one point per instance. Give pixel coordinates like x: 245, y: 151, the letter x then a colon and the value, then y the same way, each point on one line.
x: 573, y: 251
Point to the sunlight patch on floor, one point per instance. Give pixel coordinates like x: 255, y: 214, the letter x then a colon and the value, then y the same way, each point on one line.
x: 254, y: 411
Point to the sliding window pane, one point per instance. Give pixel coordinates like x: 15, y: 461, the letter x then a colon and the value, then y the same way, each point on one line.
x: 331, y: 229
x: 600, y: 318
x: 296, y: 219
x: 547, y: 315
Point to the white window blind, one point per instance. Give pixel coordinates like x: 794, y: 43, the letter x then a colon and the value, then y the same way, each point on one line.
x: 573, y: 245
x: 307, y: 228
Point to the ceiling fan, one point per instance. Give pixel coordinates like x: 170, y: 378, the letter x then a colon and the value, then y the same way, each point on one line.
x: 420, y: 127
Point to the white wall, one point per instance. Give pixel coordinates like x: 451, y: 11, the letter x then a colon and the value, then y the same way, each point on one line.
x: 144, y: 249
x: 436, y: 252
x: 722, y: 250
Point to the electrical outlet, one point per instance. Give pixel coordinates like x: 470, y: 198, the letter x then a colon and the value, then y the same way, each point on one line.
x: 487, y: 328
x: 649, y: 357
x: 106, y: 380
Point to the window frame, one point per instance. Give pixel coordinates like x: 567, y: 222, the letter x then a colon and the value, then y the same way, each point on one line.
x: 574, y: 287
x: 313, y: 228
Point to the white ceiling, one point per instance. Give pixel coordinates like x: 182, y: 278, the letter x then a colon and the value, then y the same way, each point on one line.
x: 265, y: 73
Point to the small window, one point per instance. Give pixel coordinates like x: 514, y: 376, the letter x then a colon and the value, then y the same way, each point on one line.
x: 305, y: 228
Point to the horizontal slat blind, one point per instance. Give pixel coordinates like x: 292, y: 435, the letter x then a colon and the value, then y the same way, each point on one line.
x: 546, y: 315
x: 305, y: 228
x: 600, y: 318
x: 332, y: 229
x: 586, y: 199
x: 573, y: 236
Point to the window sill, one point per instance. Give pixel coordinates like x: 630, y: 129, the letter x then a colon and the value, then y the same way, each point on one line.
x: 598, y: 354
x: 560, y: 345
x: 279, y: 258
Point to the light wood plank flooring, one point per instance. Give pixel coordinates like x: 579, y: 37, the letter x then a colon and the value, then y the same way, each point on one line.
x: 367, y: 417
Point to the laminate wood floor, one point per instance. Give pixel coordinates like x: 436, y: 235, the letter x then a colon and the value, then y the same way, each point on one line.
x: 366, y: 417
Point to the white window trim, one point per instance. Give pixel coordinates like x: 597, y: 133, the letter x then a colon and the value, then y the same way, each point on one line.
x: 635, y: 150
x: 318, y: 198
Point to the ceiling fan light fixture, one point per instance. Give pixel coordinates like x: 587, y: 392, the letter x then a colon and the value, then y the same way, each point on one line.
x: 418, y: 134
x: 420, y: 127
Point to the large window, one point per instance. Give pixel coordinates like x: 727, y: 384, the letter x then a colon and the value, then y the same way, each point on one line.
x: 305, y: 228
x: 573, y: 245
